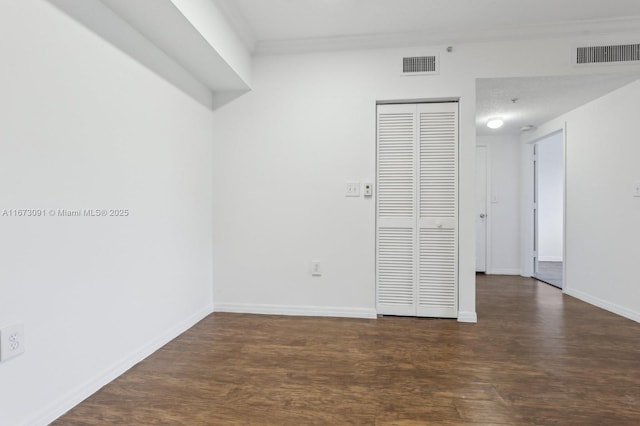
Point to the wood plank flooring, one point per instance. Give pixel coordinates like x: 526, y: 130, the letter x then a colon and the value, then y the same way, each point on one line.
x: 536, y: 357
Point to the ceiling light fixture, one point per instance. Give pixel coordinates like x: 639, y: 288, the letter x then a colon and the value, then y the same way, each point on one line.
x: 495, y: 123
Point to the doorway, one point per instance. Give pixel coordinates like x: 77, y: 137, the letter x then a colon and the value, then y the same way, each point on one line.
x: 548, y: 169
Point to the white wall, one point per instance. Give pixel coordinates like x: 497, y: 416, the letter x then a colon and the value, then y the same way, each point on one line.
x: 101, y: 19
x: 285, y: 150
x: 84, y: 126
x: 550, y: 154
x: 602, y: 228
x: 504, y: 203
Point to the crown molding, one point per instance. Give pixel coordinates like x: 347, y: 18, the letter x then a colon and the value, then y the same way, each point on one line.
x: 591, y: 28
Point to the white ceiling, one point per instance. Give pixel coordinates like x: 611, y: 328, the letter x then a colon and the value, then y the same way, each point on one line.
x: 273, y: 25
x: 539, y: 99
x: 281, y: 26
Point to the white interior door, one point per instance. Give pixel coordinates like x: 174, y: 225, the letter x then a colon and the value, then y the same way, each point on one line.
x: 481, y: 209
x: 437, y: 143
x: 417, y: 205
x: 396, y: 220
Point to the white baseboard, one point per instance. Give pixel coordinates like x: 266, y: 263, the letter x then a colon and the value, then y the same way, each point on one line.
x: 466, y: 316
x: 312, y: 311
x: 608, y: 306
x: 503, y: 272
x: 73, y: 398
x: 550, y: 259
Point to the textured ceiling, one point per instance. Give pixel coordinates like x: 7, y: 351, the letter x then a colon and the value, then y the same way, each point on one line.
x: 539, y: 99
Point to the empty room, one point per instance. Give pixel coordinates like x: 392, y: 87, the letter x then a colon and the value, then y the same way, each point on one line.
x: 297, y: 212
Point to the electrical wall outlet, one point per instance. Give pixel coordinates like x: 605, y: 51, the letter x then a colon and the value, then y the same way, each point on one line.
x: 11, y: 342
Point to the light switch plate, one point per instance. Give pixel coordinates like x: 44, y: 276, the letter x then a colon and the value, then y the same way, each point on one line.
x: 353, y: 189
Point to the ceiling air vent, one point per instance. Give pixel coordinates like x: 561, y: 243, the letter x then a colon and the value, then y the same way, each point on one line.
x: 419, y: 65
x: 608, y: 54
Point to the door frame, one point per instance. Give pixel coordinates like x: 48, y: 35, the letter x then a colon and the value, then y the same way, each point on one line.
x: 528, y: 218
x: 421, y: 311
x: 488, y: 192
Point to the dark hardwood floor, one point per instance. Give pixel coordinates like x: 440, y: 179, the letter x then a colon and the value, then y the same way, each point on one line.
x: 536, y: 357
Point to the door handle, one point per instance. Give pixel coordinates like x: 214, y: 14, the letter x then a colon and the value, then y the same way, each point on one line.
x: 482, y: 215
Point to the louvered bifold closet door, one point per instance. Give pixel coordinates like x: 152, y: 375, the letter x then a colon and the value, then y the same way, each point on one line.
x: 396, y: 207
x: 437, y: 289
